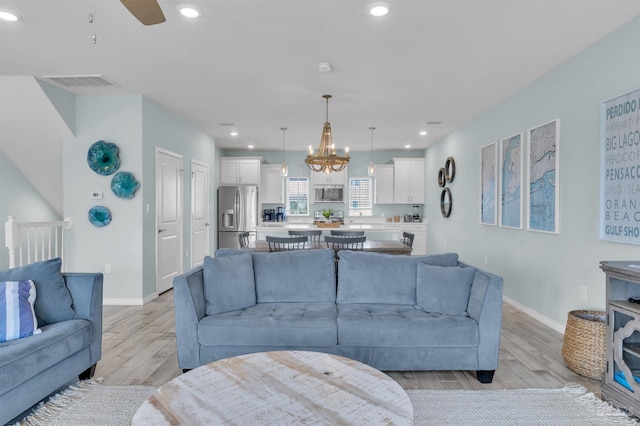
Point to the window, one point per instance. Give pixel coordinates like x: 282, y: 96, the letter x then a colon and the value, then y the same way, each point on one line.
x: 298, y: 196
x: 360, y: 197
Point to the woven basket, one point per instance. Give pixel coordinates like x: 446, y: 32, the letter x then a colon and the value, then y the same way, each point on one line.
x: 583, y: 346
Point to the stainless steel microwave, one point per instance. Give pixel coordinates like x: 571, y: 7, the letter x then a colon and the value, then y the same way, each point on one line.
x: 329, y: 193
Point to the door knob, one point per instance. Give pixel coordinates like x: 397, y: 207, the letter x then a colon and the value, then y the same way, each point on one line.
x: 161, y: 230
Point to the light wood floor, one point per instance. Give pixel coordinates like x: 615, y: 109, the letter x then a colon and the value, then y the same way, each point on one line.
x: 139, y: 348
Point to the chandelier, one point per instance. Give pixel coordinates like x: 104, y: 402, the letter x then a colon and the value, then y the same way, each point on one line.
x: 325, y: 158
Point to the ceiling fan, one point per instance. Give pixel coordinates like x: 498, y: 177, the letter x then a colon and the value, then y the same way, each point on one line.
x: 146, y: 11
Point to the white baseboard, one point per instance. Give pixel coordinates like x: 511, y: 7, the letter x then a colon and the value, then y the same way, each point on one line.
x: 536, y: 315
x: 129, y: 301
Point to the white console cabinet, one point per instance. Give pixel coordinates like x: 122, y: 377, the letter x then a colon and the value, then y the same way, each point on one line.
x: 621, y: 383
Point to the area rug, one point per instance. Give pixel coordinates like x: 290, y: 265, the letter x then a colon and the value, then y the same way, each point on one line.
x: 571, y: 405
x: 90, y: 403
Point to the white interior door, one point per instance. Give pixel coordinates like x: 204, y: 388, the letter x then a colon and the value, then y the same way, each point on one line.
x: 199, y: 212
x: 168, y: 218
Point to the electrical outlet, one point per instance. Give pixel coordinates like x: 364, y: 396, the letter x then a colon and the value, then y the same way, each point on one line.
x: 583, y: 292
x: 107, y: 268
x: 486, y: 259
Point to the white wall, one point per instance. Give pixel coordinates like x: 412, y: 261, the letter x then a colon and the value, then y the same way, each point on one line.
x: 163, y: 129
x: 20, y: 199
x: 542, y: 272
x: 116, y: 119
x: 136, y: 125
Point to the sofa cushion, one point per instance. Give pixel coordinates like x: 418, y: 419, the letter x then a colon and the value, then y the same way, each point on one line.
x: 228, y: 283
x: 25, y: 358
x: 295, y: 276
x: 16, y: 309
x: 382, y: 278
x: 396, y: 326
x: 273, y: 324
x: 444, y: 289
x: 53, y: 301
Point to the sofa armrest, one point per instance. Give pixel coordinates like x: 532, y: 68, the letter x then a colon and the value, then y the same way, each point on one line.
x: 86, y: 292
x: 188, y: 293
x: 485, y: 306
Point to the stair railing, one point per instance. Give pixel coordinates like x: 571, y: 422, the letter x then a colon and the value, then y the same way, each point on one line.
x: 30, y: 242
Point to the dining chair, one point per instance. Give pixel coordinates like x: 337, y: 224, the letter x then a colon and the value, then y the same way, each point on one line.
x: 243, y: 239
x: 347, y: 233
x: 312, y: 236
x: 407, y: 239
x: 286, y: 243
x: 345, y: 243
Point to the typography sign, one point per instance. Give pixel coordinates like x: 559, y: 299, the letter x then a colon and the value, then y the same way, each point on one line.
x: 620, y: 169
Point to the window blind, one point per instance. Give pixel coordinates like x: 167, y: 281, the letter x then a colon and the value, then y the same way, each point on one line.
x: 297, y: 196
x: 360, y: 197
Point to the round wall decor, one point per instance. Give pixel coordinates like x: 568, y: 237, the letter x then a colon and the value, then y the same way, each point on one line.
x: 124, y: 185
x: 449, y: 169
x: 103, y: 158
x: 99, y: 216
x: 441, y: 178
x: 446, y: 202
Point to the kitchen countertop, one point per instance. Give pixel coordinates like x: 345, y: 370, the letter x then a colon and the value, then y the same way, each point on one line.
x: 380, y: 226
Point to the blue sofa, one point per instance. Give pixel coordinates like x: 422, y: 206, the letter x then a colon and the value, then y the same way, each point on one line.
x: 394, y: 313
x: 31, y: 368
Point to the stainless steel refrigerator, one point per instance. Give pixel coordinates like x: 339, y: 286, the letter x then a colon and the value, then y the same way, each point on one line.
x: 237, y: 212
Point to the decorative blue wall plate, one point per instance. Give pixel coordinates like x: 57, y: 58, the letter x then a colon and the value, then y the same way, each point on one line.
x: 124, y: 185
x: 99, y: 216
x: 103, y: 158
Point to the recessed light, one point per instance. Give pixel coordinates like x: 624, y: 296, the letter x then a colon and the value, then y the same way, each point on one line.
x: 250, y: 147
x: 324, y: 67
x: 234, y: 133
x: 379, y: 10
x: 407, y: 146
x: 423, y: 133
x: 5, y: 15
x: 188, y: 11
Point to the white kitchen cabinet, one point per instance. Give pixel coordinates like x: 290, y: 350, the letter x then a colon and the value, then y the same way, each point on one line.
x: 240, y: 170
x: 334, y: 178
x: 383, y: 184
x: 271, y: 184
x: 409, y: 180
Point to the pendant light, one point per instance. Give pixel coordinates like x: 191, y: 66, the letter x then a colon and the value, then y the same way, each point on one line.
x: 325, y: 158
x: 372, y: 167
x: 284, y: 169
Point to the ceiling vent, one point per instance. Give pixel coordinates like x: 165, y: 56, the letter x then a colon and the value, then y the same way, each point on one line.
x: 79, y: 80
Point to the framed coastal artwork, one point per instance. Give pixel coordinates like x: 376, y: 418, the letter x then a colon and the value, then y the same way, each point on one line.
x: 543, y: 201
x: 511, y: 180
x: 489, y: 184
x: 619, y: 169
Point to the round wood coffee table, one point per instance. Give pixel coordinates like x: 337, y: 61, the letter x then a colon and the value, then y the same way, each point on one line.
x: 285, y: 387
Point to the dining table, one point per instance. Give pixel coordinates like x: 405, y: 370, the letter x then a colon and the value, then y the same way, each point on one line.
x: 376, y: 246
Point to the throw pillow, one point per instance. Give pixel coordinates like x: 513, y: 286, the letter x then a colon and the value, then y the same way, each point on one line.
x: 228, y: 283
x: 54, y: 303
x: 444, y: 289
x: 16, y: 308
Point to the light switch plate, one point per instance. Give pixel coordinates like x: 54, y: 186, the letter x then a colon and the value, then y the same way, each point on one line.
x: 96, y: 195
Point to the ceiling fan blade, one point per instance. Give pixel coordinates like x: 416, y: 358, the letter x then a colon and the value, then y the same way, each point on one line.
x: 146, y: 11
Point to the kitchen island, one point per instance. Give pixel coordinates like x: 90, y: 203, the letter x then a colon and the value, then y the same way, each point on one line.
x: 390, y: 231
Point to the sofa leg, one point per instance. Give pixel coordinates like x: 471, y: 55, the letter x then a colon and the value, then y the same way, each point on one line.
x: 88, y: 373
x: 485, y: 376
x: 185, y: 370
